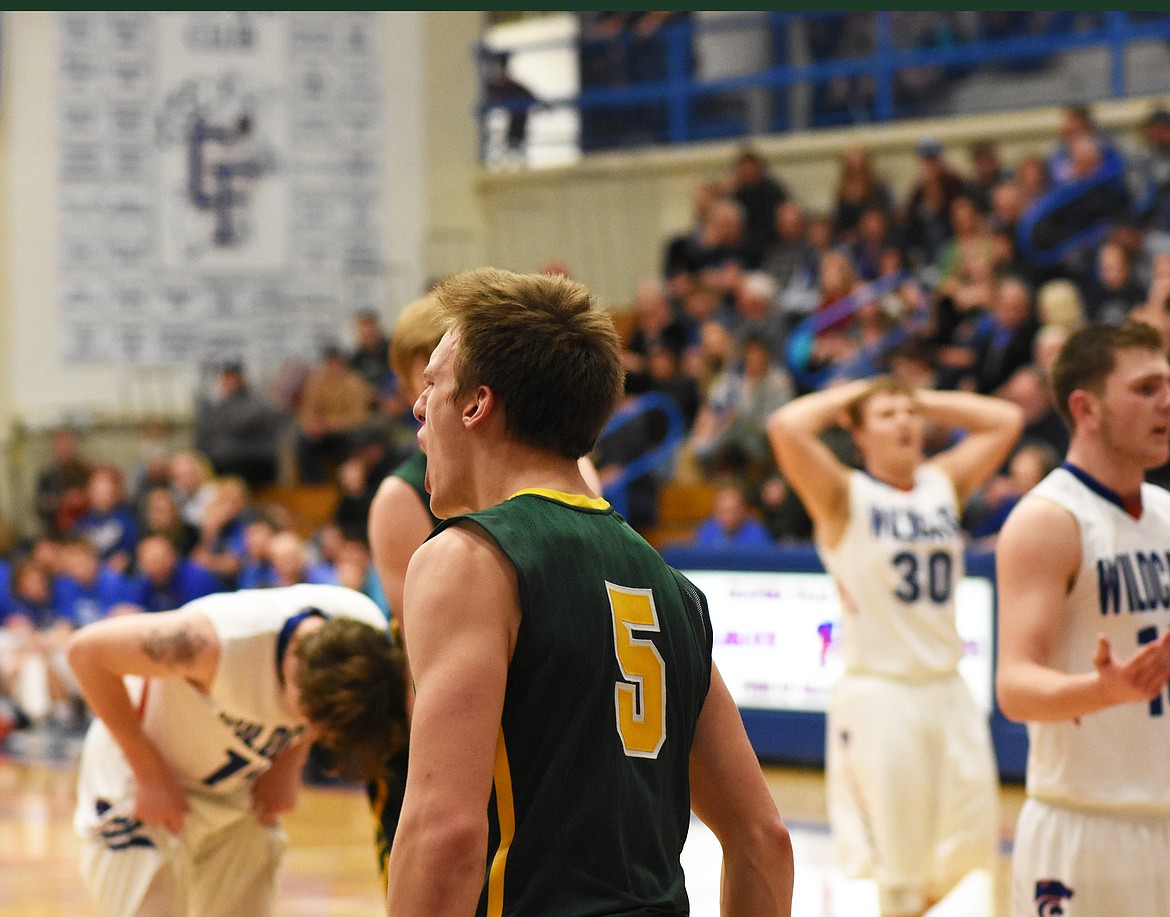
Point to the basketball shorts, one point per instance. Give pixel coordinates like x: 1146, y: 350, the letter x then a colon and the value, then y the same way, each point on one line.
x: 911, y: 785
x: 1083, y: 864
x: 134, y: 869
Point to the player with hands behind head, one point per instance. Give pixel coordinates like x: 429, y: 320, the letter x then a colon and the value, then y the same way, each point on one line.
x: 910, y: 772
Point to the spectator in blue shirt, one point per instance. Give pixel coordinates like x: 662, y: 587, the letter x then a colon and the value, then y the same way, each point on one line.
x: 221, y: 543
x: 86, y: 589
x: 256, y: 566
x: 31, y: 597
x: 166, y: 581
x: 32, y: 662
x: 108, y: 522
x: 731, y: 524
x: 5, y: 588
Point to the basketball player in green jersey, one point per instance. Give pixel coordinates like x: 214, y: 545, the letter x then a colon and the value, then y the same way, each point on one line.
x: 567, y: 715
x: 400, y: 521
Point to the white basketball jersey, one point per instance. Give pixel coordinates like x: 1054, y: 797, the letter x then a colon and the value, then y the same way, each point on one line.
x: 896, y: 568
x: 216, y: 743
x: 1116, y: 758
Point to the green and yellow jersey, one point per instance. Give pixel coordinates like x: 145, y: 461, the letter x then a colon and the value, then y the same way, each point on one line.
x: 591, y: 796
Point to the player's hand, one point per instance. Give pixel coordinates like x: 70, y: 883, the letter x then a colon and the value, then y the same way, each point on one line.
x: 161, y: 799
x: 1139, y: 678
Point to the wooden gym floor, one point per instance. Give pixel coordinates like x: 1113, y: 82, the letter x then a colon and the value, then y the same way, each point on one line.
x: 329, y: 870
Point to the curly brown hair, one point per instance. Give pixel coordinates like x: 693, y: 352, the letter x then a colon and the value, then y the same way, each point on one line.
x: 353, y: 688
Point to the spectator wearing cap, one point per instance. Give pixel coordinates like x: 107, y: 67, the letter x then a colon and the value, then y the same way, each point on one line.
x: 335, y: 402
x: 926, y: 218
x: 238, y: 429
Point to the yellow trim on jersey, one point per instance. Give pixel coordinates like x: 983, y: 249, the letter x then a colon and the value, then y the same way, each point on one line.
x: 572, y: 499
x: 506, y: 817
x: 376, y: 806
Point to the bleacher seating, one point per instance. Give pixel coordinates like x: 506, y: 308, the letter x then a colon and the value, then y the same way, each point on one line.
x: 682, y: 505
x: 309, y: 506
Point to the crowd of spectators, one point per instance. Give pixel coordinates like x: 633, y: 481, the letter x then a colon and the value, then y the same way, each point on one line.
x: 180, y: 523
x: 759, y: 300
x: 964, y: 281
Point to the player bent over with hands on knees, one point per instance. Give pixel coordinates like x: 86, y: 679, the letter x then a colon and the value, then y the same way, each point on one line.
x: 1083, y: 570
x: 567, y: 715
x: 203, y: 718
x: 910, y: 771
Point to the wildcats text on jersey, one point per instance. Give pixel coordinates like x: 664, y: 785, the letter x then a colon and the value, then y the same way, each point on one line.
x: 899, y: 523
x: 1144, y: 578
x: 251, y: 733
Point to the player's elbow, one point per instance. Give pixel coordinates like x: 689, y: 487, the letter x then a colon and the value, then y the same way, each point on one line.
x: 79, y: 650
x: 782, y: 433
x: 759, y: 864
x: 450, y: 841
x: 778, y: 424
x: 775, y: 841
x: 761, y: 840
x: 1015, y: 418
x: 1010, y: 701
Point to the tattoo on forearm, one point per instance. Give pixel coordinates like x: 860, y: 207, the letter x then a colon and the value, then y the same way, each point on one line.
x: 174, y: 647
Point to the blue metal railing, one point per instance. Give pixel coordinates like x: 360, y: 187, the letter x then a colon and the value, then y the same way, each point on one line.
x: 655, y: 458
x: 667, y: 107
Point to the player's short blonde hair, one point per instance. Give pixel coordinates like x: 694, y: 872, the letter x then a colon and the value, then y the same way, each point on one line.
x: 416, y: 333
x: 544, y: 347
x: 883, y: 385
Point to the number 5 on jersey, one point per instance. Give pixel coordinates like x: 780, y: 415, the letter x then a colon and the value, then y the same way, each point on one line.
x: 639, y: 699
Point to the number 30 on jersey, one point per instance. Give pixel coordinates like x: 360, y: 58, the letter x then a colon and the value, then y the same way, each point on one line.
x: 640, y: 697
